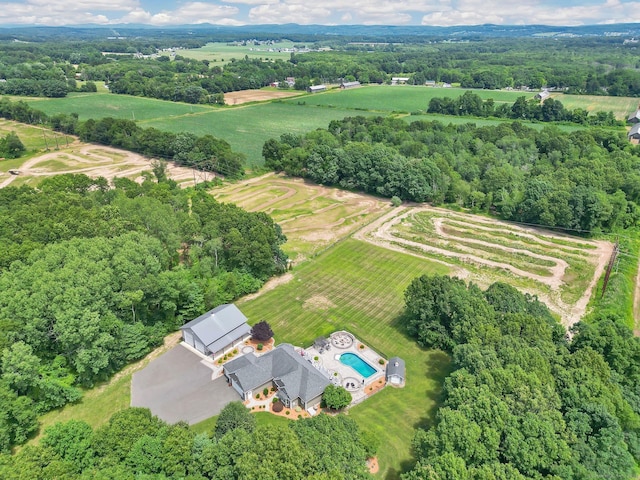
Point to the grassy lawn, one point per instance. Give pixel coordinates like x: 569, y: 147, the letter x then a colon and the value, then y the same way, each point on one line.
x: 359, y: 287
x: 262, y: 418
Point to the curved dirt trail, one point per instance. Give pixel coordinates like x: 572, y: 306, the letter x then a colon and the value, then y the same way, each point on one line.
x: 122, y: 164
x: 380, y: 232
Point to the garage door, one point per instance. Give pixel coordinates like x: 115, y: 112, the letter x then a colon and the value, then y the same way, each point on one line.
x: 199, y: 346
x: 188, y: 337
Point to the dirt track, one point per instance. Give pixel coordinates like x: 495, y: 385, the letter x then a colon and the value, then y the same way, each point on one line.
x: 380, y: 233
x: 95, y: 161
x: 246, y: 96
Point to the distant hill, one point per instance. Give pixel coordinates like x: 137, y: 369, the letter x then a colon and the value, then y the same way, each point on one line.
x: 308, y: 32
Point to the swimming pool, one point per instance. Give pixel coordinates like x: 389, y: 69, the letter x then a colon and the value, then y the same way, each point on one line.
x: 359, y: 365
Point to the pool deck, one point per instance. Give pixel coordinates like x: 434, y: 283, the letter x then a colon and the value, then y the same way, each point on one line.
x: 347, y: 377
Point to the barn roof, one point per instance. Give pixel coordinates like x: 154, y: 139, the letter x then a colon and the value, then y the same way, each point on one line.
x: 635, y: 130
x: 219, y: 327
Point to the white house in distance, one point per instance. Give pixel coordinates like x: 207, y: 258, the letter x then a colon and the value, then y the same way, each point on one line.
x: 218, y: 331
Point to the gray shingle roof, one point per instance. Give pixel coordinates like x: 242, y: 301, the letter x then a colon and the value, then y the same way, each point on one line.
x: 635, y: 130
x: 634, y: 116
x: 296, y: 376
x: 396, y: 366
x: 219, y: 327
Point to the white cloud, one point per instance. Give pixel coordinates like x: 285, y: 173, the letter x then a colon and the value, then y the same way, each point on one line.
x: 289, y: 13
x: 188, y: 13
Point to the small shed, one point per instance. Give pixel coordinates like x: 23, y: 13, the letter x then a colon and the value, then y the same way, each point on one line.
x: 543, y: 95
x: 634, y: 133
x: 634, y: 117
x: 216, y: 331
x: 395, y: 374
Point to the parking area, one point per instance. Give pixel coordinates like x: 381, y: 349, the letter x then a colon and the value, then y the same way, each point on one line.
x: 179, y: 386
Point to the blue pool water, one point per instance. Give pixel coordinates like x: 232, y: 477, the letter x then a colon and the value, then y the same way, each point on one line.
x: 354, y: 361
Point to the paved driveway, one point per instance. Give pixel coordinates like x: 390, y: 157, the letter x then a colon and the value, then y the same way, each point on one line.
x: 178, y: 386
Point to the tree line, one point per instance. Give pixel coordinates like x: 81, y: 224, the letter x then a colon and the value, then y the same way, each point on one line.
x: 206, y: 153
x: 524, y: 402
x: 585, y: 180
x: 93, y: 277
x: 549, y: 110
x: 134, y: 444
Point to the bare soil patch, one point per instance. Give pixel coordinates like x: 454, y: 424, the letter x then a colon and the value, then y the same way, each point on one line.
x: 246, y: 96
x: 270, y: 285
x: 318, y: 302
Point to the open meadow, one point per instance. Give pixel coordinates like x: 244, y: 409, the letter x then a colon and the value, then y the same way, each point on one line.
x: 219, y: 53
x: 312, y: 217
x: 621, y: 107
x: 246, y: 126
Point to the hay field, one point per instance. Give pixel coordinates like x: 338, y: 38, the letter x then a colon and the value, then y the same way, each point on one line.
x: 311, y: 216
x: 219, y: 53
x: 561, y: 270
x: 621, y: 107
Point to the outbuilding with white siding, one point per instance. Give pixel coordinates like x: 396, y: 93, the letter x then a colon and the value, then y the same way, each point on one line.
x: 217, y: 331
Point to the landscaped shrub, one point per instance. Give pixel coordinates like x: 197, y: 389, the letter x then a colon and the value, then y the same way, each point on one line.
x: 316, y: 358
x: 265, y: 392
x: 275, y: 400
x: 277, y: 407
x: 336, y: 398
x: 396, y: 201
x: 257, y: 396
x: 260, y: 346
x: 261, y: 331
x: 235, y: 352
x: 287, y: 412
x: 361, y: 346
x: 381, y: 361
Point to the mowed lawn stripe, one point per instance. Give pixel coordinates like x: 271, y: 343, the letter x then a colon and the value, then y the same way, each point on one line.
x: 359, y: 287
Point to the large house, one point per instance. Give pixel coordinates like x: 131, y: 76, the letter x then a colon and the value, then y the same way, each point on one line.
x: 298, y: 382
x: 217, y: 331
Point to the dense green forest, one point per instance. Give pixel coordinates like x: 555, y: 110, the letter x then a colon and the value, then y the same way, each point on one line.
x: 93, y: 277
x: 135, y: 445
x: 586, y: 180
x: 523, y: 402
x: 596, y: 65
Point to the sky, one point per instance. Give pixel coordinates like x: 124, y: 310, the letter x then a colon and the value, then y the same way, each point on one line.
x: 325, y: 12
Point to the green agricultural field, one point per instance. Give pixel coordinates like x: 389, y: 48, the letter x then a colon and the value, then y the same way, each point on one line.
x: 99, y: 105
x: 621, y: 107
x: 359, y: 287
x: 404, y: 98
x: 247, y: 127
x: 219, y: 53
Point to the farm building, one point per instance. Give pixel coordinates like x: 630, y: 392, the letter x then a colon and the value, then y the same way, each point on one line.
x: 399, y: 80
x: 217, y: 331
x: 291, y: 81
x: 274, y: 84
x: 345, y: 85
x: 395, y: 371
x: 316, y: 88
x: 298, y: 382
x: 634, y: 133
x: 543, y: 95
x: 634, y: 117
x: 430, y: 83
